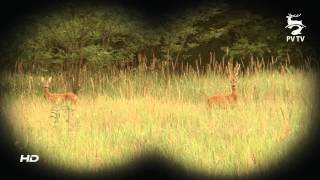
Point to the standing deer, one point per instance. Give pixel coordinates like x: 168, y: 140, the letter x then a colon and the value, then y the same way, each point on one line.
x: 233, y: 96
x: 72, y: 97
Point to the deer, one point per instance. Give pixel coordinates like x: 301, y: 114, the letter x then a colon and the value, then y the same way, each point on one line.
x: 294, y: 23
x: 69, y: 96
x: 233, y: 96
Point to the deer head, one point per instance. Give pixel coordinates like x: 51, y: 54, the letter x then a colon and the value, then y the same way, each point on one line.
x: 46, y: 82
x: 233, y: 73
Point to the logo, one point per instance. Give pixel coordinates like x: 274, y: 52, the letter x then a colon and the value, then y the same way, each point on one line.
x: 29, y: 158
x: 296, y: 26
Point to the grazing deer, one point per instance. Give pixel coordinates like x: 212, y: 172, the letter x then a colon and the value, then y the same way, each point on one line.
x: 233, y: 96
x: 72, y: 97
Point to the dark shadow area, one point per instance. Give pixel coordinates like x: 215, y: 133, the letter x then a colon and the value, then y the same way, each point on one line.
x: 301, y: 163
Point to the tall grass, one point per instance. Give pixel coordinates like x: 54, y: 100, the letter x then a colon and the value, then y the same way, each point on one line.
x: 121, y: 113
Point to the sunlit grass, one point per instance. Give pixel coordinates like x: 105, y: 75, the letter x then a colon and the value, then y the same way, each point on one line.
x: 124, y: 115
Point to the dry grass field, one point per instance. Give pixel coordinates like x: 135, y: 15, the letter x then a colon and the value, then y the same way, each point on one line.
x: 119, y: 116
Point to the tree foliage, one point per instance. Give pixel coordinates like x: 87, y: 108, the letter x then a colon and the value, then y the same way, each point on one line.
x: 99, y: 35
x: 92, y: 35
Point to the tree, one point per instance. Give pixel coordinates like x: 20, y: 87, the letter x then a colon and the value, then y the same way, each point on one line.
x: 71, y: 36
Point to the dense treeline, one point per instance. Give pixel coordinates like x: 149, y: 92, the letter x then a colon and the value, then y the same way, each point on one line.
x: 74, y: 35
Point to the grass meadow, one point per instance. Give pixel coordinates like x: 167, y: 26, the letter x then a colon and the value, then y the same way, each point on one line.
x: 122, y: 114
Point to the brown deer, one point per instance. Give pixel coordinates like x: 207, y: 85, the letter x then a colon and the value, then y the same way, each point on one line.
x: 72, y: 97
x: 233, y: 96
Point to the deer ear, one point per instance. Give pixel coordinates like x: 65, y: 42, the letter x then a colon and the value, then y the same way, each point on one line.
x: 50, y: 78
x: 42, y: 79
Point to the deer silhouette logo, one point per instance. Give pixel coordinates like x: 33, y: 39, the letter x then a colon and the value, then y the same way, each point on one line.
x: 294, y: 23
